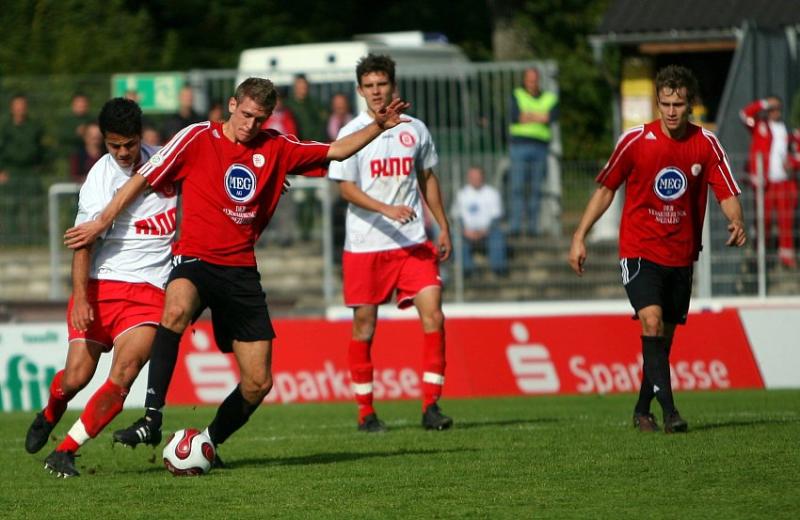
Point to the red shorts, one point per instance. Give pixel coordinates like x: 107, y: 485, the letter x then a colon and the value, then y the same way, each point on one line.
x: 371, y: 278
x: 118, y: 307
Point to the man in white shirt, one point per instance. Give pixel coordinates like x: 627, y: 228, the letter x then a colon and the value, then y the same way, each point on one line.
x: 386, y: 249
x: 480, y: 208
x: 118, y: 289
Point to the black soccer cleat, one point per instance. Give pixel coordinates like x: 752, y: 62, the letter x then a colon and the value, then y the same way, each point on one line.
x: 61, y: 464
x: 142, y: 431
x: 674, y: 423
x: 645, y: 422
x: 217, y: 463
x: 434, y: 419
x: 38, y: 433
x: 371, y: 424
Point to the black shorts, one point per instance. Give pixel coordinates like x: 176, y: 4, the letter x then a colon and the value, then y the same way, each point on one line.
x: 648, y: 283
x: 234, y: 295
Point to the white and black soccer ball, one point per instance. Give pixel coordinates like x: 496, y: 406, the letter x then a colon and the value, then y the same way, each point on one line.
x: 188, y: 452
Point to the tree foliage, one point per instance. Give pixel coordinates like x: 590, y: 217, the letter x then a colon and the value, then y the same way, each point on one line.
x: 106, y: 36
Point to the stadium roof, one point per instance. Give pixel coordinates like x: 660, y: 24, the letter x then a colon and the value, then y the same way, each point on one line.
x: 634, y: 21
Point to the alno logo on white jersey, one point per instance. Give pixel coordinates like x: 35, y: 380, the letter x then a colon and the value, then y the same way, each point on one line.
x: 531, y: 364
x: 240, y: 183
x: 670, y: 183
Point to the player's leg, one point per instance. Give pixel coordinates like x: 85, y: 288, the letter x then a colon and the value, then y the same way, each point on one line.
x: 82, y: 359
x: 675, y: 312
x: 131, y: 352
x: 181, y: 302
x: 255, y: 367
x: 359, y: 359
x: 429, y: 307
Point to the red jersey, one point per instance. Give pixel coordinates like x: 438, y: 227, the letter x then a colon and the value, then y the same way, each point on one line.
x: 229, y: 191
x: 666, y: 190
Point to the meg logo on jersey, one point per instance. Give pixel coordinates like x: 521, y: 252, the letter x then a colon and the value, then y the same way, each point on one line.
x: 240, y: 183
x: 670, y: 183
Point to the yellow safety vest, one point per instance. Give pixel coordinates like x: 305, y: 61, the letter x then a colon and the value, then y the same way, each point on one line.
x: 527, y: 103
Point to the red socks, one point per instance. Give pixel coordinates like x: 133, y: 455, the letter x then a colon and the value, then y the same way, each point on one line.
x: 432, y: 368
x: 104, y: 405
x: 358, y: 357
x: 57, y: 402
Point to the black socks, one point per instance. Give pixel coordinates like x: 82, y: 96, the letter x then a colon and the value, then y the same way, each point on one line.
x: 656, y: 377
x: 232, y: 414
x: 163, y: 358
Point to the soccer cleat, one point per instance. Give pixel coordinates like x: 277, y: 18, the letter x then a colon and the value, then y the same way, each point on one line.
x: 674, y: 423
x: 140, y: 432
x: 38, y: 433
x: 371, y: 424
x: 434, y: 419
x: 645, y: 422
x: 61, y: 464
x: 217, y: 462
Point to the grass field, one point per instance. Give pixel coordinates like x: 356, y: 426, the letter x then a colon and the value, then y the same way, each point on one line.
x: 537, y: 457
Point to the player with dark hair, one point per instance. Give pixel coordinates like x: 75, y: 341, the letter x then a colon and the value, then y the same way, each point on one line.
x: 386, y: 249
x: 231, y: 177
x: 667, y: 166
x: 118, y: 289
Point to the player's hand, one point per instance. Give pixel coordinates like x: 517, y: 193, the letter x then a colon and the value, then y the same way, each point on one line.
x: 577, y: 256
x: 83, y: 235
x: 738, y: 237
x: 445, y: 245
x: 391, y: 115
x: 400, y: 213
x: 82, y: 315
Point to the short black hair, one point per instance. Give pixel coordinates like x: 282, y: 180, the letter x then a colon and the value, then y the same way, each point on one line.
x: 674, y: 77
x: 121, y: 116
x: 375, y: 63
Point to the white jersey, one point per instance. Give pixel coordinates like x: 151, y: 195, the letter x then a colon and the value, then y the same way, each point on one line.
x: 136, y: 248
x: 477, y: 208
x: 386, y: 170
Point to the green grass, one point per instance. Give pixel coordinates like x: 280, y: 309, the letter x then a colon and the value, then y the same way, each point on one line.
x: 505, y: 458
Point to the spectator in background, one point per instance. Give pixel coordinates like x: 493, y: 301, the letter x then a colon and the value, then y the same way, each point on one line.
x: 185, y: 115
x: 82, y: 159
x: 532, y: 111
x: 283, y: 230
x: 479, y: 208
x: 770, y: 155
x: 310, y: 117
x: 282, y: 118
x: 340, y: 115
x: 21, y: 160
x: 70, y: 137
x: 151, y: 136
x: 216, y: 114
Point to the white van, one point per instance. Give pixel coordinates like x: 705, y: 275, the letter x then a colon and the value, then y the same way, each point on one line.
x: 336, y: 61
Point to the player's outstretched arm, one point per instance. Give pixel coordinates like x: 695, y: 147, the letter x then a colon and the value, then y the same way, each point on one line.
x: 732, y: 209
x: 386, y: 118
x: 86, y: 233
x: 598, y: 204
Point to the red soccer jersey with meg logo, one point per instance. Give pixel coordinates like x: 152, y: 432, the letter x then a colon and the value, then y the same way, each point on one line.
x: 666, y: 189
x: 229, y: 191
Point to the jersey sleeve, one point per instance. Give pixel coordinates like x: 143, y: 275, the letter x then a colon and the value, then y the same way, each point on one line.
x: 165, y: 166
x: 620, y: 164
x: 95, y: 194
x: 720, y: 175
x: 346, y: 170
x: 428, y: 158
x: 307, y: 158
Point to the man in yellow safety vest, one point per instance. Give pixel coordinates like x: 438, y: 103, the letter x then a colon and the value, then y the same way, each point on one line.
x: 532, y: 111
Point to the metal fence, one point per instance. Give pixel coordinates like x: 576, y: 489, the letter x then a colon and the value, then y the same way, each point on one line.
x: 466, y: 112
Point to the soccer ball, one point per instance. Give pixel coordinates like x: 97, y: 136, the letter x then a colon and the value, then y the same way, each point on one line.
x: 188, y: 452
